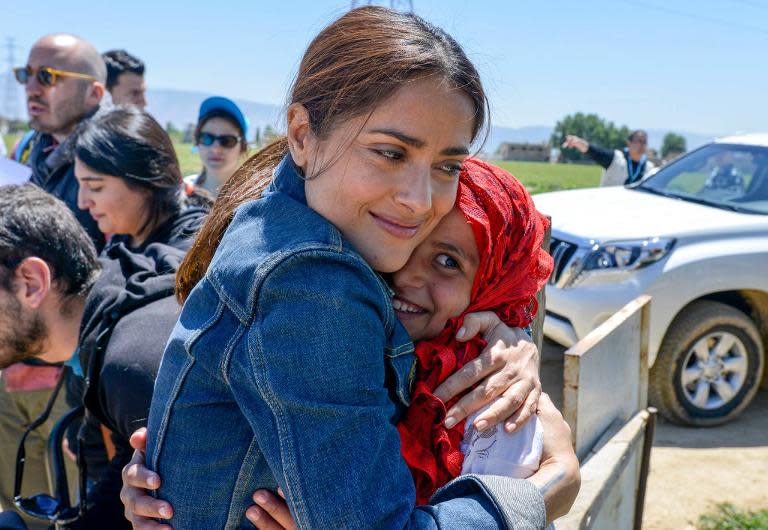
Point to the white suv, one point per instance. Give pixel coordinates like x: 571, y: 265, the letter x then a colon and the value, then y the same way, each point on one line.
x: 694, y: 236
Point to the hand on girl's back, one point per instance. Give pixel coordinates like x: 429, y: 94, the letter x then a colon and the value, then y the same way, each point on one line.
x: 140, y: 507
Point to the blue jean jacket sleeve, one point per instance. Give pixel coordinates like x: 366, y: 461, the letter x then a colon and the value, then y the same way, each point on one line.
x: 323, y: 420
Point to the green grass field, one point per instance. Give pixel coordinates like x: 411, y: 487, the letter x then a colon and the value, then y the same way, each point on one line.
x: 189, y: 161
x: 538, y: 177
x: 9, y: 140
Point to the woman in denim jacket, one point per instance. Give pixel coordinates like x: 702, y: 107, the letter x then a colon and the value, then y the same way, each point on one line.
x: 288, y: 367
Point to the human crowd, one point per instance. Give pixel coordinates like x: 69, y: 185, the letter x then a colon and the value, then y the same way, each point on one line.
x: 330, y: 333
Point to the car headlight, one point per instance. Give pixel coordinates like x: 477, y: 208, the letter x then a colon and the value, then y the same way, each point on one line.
x: 627, y: 255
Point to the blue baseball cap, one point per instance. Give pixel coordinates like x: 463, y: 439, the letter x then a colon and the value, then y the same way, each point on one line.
x: 218, y: 103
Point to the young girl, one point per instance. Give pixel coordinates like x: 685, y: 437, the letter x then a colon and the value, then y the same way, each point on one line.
x: 484, y: 256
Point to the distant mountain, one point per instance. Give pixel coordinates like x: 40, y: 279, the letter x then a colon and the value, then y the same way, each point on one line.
x: 180, y: 108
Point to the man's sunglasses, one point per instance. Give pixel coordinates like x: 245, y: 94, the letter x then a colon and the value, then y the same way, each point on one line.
x: 46, y: 75
x: 56, y: 508
x: 225, y: 140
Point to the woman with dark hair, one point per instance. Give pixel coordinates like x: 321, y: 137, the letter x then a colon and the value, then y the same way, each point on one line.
x: 131, y: 184
x: 221, y: 139
x: 288, y: 367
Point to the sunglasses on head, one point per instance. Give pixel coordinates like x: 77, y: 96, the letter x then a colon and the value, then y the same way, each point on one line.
x: 225, y: 140
x: 57, y: 507
x: 46, y: 75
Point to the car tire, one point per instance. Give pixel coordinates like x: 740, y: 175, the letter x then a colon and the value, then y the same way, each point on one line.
x: 698, y: 379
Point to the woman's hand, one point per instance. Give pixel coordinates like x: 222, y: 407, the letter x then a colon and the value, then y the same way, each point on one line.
x: 140, y: 508
x: 271, y: 512
x: 508, y: 368
x: 558, y: 477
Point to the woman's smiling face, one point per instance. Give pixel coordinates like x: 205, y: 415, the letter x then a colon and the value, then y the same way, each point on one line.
x: 436, y: 283
x: 388, y: 188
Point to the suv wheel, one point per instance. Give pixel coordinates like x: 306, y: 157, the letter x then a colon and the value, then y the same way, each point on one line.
x: 709, y: 366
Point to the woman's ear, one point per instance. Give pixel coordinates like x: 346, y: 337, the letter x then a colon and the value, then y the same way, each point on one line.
x: 299, y: 134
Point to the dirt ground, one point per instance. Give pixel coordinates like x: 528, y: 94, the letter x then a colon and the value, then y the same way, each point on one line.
x: 692, y: 470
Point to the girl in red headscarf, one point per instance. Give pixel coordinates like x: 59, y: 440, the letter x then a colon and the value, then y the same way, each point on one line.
x: 484, y: 256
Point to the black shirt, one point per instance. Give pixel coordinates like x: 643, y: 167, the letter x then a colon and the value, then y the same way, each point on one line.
x: 128, y: 317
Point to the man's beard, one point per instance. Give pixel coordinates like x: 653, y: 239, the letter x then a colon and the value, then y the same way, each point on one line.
x: 65, y: 118
x: 24, y: 337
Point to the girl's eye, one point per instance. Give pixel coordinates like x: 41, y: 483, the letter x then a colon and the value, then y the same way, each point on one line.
x: 94, y: 190
x: 446, y: 261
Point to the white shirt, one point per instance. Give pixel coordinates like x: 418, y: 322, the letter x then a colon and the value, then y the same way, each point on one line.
x: 497, y: 452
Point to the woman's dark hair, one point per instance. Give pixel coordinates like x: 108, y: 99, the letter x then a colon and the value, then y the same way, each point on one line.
x: 224, y: 116
x: 128, y: 143
x: 350, y: 68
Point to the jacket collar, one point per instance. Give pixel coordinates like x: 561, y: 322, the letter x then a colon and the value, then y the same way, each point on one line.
x: 50, y: 157
x: 287, y: 178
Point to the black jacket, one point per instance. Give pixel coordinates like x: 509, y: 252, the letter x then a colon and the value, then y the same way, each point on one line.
x: 53, y: 169
x: 178, y: 231
x: 128, y: 317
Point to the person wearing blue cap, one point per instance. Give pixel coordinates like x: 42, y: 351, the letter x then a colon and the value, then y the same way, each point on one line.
x: 220, y: 137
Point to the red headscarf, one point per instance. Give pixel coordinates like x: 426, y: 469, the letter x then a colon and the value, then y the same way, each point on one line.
x: 509, y: 232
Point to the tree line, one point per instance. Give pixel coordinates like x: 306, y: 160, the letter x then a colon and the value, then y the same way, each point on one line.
x: 604, y: 133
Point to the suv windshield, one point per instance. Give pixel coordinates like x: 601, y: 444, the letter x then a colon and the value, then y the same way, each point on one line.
x: 733, y: 177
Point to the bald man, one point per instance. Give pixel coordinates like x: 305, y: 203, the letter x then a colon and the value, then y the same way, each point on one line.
x: 64, y: 83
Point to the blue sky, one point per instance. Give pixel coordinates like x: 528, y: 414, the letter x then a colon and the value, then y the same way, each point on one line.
x: 689, y: 65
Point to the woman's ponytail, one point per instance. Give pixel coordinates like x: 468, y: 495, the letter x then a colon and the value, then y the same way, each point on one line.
x: 247, y: 184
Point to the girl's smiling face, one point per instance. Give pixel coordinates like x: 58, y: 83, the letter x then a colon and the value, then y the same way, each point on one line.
x: 435, y: 284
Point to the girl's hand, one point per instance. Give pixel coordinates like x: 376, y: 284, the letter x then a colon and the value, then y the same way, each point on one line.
x: 507, y: 371
x: 140, y: 508
x: 271, y: 512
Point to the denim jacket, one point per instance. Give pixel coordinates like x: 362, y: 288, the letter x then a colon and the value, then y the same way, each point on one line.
x: 288, y: 368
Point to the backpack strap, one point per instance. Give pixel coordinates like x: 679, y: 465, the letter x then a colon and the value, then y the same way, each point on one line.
x: 24, y: 147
